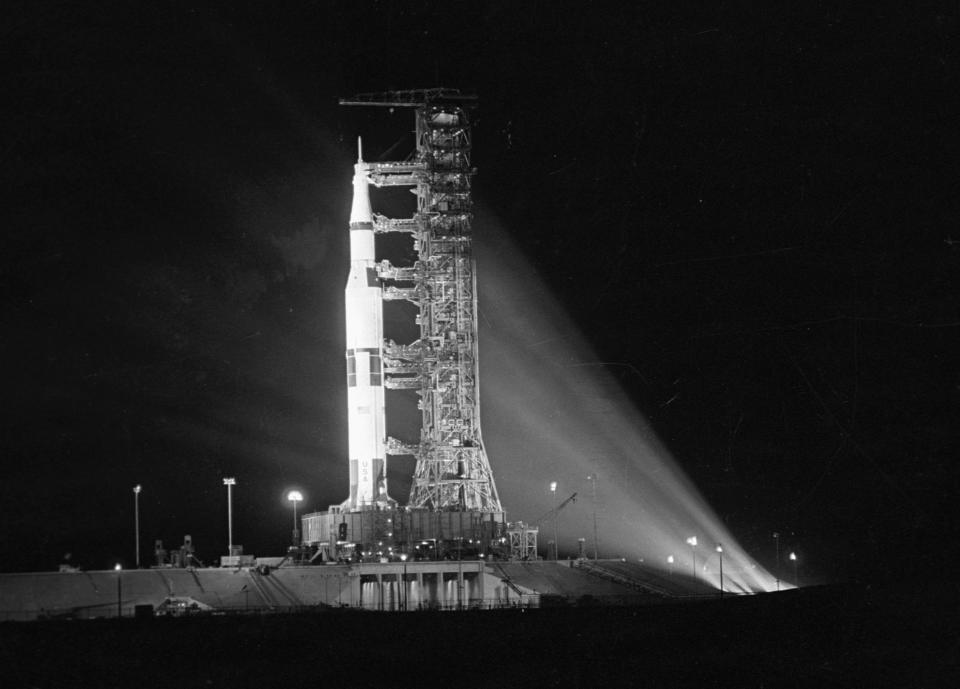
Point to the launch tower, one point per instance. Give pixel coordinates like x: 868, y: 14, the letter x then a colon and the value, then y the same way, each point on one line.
x: 452, y: 470
x: 453, y: 510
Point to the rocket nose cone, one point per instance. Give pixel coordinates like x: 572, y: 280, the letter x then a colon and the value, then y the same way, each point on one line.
x: 360, y: 211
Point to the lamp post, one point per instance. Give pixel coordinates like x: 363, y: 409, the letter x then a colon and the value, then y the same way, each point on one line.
x: 295, y: 496
x: 796, y: 572
x: 229, y: 483
x: 776, y: 539
x: 403, y: 585
x: 460, y: 573
x: 692, y: 541
x: 670, y: 562
x: 556, y: 522
x: 593, y: 479
x: 118, y: 570
x: 136, y: 520
x: 720, y: 552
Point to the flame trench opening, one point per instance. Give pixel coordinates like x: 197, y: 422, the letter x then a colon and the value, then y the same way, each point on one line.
x: 553, y: 413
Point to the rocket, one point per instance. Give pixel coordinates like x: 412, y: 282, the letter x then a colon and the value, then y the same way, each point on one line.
x: 366, y: 418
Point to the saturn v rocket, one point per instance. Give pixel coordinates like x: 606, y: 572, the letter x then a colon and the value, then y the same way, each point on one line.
x: 366, y: 417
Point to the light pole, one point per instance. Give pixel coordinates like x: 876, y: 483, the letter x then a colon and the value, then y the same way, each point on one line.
x: 776, y: 539
x: 556, y: 522
x: 720, y: 552
x: 136, y: 519
x: 593, y: 478
x: 403, y: 586
x: 692, y: 541
x: 796, y: 573
x: 229, y: 483
x: 460, y: 573
x: 119, y: 571
x: 295, y: 496
x: 670, y: 562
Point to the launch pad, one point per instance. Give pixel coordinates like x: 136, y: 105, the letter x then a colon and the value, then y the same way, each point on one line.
x: 450, y: 546
x: 277, y: 585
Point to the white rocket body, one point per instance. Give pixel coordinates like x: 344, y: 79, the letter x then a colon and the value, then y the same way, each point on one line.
x: 364, y: 313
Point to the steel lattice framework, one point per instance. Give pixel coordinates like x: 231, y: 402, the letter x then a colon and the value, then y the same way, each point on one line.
x: 452, y: 469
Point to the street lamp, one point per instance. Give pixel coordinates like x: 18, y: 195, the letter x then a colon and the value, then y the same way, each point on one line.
x: 136, y: 519
x: 593, y: 478
x: 692, y: 541
x: 118, y: 568
x: 776, y: 539
x: 230, y: 483
x: 796, y: 574
x: 720, y: 552
x: 670, y: 562
x: 295, y: 496
x: 403, y: 587
x: 556, y: 522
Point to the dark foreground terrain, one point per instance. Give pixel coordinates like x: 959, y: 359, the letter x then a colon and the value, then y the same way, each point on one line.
x: 818, y: 637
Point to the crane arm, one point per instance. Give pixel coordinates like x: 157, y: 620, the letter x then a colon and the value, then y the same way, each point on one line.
x: 554, y: 511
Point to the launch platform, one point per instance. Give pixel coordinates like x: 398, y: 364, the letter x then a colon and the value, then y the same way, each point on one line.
x: 276, y: 585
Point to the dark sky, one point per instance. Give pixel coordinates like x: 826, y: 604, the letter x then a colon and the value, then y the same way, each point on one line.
x: 751, y: 215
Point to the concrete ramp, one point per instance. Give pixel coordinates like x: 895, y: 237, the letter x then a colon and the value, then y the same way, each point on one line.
x: 563, y: 580
x: 102, y: 593
x: 640, y: 577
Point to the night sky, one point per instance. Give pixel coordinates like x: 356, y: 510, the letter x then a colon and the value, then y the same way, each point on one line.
x: 751, y: 215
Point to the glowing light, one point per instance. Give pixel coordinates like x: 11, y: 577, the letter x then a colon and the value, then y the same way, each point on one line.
x: 295, y: 496
x: 117, y: 567
x: 793, y: 556
x: 229, y: 481
x: 670, y: 559
x: 136, y: 488
x: 553, y: 486
x: 403, y: 557
x: 692, y: 541
x: 719, y: 548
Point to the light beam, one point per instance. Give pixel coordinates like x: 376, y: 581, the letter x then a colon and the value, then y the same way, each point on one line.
x: 546, y: 403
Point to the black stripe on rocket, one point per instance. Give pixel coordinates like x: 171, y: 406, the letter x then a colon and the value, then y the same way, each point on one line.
x: 374, y: 367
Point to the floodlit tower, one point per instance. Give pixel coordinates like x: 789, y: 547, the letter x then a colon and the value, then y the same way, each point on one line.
x: 452, y: 471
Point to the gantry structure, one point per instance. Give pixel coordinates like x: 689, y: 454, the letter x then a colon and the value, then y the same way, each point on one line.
x: 452, y: 470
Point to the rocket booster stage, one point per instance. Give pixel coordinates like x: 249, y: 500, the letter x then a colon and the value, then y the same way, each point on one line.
x: 364, y: 312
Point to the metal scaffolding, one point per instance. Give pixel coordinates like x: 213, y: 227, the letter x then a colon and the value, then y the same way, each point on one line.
x: 452, y: 470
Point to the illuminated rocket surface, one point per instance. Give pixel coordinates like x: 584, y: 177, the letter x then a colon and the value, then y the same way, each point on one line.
x: 364, y: 341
